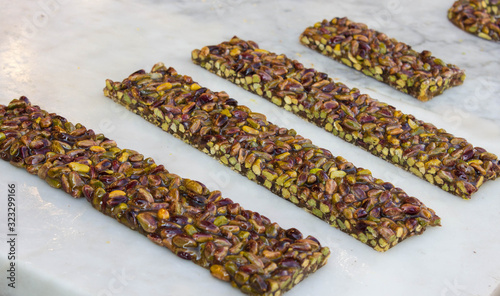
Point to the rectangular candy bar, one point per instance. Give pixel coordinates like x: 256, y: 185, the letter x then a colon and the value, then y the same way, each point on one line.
x: 430, y: 153
x: 239, y: 246
x: 418, y: 74
x: 478, y: 17
x: 333, y: 189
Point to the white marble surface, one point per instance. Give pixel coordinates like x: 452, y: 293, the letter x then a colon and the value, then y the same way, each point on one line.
x: 58, y: 53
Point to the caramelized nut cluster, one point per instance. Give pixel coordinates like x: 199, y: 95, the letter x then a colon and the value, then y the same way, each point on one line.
x: 395, y: 63
x: 330, y: 187
x: 478, y: 17
x: 430, y: 153
x: 239, y: 246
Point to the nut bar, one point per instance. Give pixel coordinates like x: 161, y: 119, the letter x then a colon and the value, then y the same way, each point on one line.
x: 418, y: 74
x: 333, y: 189
x: 239, y: 246
x: 432, y: 154
x: 478, y: 17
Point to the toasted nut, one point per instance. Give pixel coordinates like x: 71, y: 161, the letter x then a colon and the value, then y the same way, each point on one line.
x: 219, y: 272
x: 79, y: 167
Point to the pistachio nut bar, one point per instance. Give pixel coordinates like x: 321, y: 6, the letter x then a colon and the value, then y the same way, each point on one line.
x: 430, y: 153
x: 333, y: 189
x: 395, y: 63
x: 242, y: 247
x: 478, y: 17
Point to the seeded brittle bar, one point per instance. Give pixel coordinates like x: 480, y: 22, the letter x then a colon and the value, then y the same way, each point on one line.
x: 418, y: 74
x: 430, y: 153
x: 478, y: 17
x: 333, y: 189
x: 239, y: 246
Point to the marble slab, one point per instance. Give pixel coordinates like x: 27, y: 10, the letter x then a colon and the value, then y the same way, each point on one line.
x: 59, y: 53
